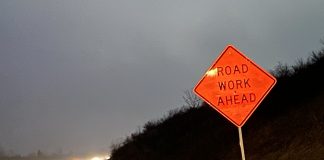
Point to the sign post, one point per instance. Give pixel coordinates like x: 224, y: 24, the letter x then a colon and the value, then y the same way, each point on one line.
x: 234, y: 86
x: 241, y: 143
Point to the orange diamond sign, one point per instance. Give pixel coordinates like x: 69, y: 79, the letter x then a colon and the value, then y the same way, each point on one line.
x: 234, y: 85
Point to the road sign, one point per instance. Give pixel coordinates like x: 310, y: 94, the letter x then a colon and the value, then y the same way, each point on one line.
x: 234, y: 85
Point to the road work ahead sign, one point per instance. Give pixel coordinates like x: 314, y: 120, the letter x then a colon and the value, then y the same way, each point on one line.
x: 234, y: 85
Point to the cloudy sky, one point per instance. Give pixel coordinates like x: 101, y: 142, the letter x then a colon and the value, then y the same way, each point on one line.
x: 80, y: 75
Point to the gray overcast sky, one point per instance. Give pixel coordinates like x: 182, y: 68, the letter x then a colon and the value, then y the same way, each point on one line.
x: 80, y: 75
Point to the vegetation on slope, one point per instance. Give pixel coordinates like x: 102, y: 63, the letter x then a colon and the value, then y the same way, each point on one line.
x: 289, y: 124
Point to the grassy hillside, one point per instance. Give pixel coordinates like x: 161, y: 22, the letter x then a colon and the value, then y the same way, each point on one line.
x: 288, y: 125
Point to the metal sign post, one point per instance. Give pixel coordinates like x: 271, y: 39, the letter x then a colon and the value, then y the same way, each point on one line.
x: 241, y: 143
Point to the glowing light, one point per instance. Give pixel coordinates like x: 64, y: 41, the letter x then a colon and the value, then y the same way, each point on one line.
x: 96, y: 158
x: 212, y: 72
x: 107, y: 157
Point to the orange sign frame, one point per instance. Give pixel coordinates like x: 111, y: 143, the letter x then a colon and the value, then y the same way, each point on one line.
x: 234, y: 85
